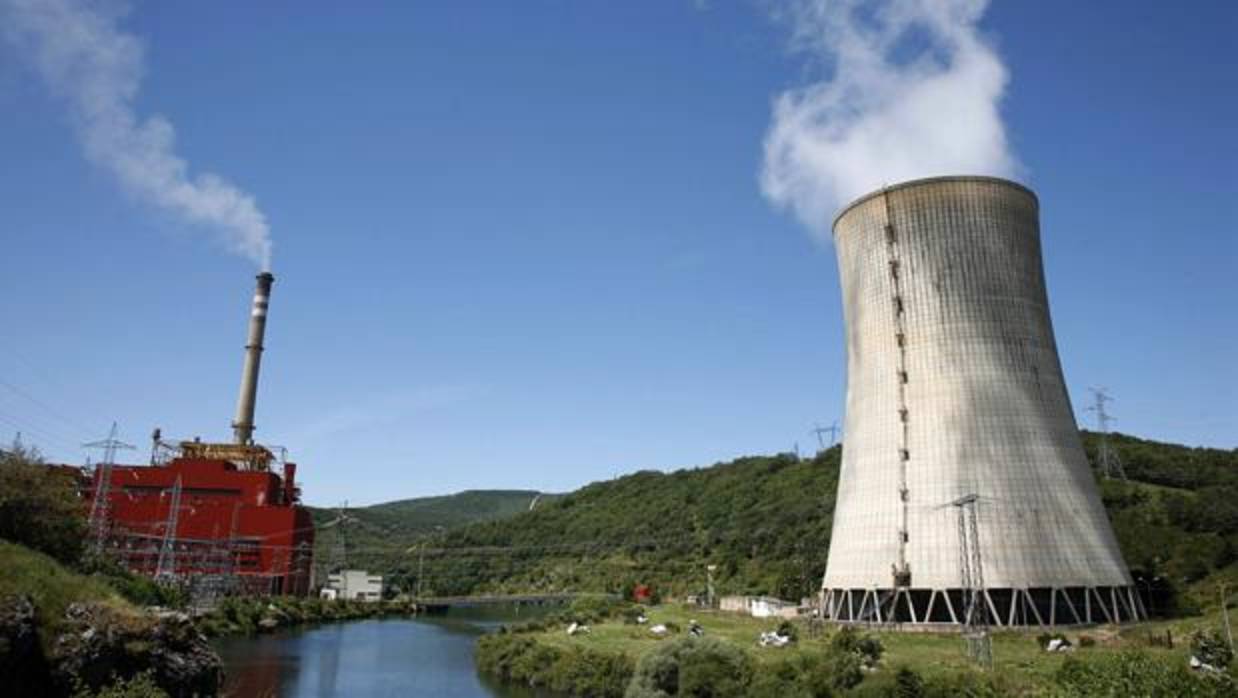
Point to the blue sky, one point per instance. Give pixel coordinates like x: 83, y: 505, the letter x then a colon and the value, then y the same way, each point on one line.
x: 525, y: 244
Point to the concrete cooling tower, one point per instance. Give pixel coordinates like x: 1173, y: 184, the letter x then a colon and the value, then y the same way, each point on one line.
x: 963, y: 475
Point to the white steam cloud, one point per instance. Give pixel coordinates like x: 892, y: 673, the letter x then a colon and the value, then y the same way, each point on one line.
x: 79, y: 50
x: 914, y: 92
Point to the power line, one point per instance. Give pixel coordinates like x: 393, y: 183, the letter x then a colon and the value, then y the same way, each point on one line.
x: 49, y: 380
x: 72, y: 424
x: 40, y: 433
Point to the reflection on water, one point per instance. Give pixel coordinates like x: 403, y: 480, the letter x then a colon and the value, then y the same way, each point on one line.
x: 392, y: 657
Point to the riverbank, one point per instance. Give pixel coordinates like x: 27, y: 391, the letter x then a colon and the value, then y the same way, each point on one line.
x: 618, y: 656
x: 248, y: 616
x: 65, y: 633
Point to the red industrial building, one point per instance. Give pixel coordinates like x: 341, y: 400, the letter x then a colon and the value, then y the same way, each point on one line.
x: 219, y: 518
x: 237, y: 521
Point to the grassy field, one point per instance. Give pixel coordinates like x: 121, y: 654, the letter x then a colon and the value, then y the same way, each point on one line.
x: 1017, y: 656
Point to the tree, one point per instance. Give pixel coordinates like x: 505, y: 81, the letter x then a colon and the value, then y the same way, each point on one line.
x: 40, y: 507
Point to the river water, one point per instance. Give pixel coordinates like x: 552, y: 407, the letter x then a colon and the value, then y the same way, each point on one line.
x: 425, y: 656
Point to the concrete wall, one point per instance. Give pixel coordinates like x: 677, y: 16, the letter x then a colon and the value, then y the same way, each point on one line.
x: 983, y: 406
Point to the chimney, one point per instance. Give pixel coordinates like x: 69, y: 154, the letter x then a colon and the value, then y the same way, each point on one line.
x: 243, y: 424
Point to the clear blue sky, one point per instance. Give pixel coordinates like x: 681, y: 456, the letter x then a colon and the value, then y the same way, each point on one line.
x: 524, y: 244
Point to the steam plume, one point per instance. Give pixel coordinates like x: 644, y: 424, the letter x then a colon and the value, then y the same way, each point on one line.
x: 914, y: 93
x: 86, y: 60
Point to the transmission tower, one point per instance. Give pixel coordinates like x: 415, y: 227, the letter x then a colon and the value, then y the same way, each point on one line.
x: 975, y: 619
x: 166, y: 571
x: 339, y: 555
x: 230, y: 561
x: 1108, y: 461
x: 100, y: 509
x: 819, y: 430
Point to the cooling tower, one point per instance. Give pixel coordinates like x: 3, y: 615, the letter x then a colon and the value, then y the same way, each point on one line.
x: 956, y: 406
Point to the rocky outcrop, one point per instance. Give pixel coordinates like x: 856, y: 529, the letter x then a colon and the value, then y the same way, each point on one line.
x: 97, y: 645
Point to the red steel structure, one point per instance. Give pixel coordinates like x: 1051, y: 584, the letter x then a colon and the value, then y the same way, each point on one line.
x: 237, y: 519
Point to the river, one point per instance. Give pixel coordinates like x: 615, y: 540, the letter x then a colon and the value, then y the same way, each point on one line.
x: 425, y: 656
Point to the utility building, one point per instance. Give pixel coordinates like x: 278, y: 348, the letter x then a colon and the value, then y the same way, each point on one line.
x: 357, y: 585
x: 956, y: 401
x: 219, y: 518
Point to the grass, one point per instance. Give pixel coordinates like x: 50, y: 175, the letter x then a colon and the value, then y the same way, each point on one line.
x: 50, y: 585
x: 1017, y: 655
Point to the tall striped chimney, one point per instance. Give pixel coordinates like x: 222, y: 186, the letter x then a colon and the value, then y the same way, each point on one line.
x: 243, y: 424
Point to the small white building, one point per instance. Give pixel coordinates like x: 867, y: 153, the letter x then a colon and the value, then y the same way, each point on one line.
x: 759, y: 606
x: 356, y: 585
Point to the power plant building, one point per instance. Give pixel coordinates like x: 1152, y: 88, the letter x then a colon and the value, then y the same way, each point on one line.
x: 203, y: 514
x: 956, y: 402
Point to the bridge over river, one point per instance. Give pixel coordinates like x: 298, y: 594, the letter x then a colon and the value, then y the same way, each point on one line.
x: 431, y: 603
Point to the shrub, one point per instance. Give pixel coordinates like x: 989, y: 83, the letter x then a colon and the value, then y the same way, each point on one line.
x: 787, y: 629
x: 867, y: 647
x: 137, y: 686
x: 1137, y: 673
x: 577, y: 671
x: 908, y: 684
x: 811, y: 673
x: 631, y: 614
x: 1211, y: 649
x: 592, y: 609
x: 137, y: 589
x: 692, y: 667
x: 966, y: 684
x: 781, y: 680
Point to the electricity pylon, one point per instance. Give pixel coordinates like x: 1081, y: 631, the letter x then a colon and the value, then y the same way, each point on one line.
x: 101, y: 507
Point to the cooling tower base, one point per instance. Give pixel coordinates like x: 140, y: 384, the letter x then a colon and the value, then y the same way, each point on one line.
x: 1006, y: 608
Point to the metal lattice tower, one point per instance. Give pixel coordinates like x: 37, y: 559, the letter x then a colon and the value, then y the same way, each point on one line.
x: 338, y: 560
x: 230, y: 561
x: 166, y: 571
x: 1107, y: 459
x: 100, y: 509
x: 975, y: 622
x: 832, y: 430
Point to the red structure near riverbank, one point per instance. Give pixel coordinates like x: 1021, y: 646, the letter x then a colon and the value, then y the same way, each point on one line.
x: 214, y: 512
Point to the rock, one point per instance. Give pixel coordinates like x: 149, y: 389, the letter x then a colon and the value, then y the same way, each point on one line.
x: 268, y: 624
x: 102, y: 644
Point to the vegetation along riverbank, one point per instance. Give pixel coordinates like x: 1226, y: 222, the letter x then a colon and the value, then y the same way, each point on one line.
x: 652, y: 652
x: 74, y: 623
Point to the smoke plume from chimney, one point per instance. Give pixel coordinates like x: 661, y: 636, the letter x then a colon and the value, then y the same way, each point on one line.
x: 914, y: 92
x: 87, y: 61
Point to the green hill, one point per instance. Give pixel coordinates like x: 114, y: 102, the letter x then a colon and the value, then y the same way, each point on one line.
x: 765, y: 522
x: 377, y: 537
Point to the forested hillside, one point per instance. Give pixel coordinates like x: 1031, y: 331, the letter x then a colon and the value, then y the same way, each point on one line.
x: 765, y: 522
x: 377, y: 537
